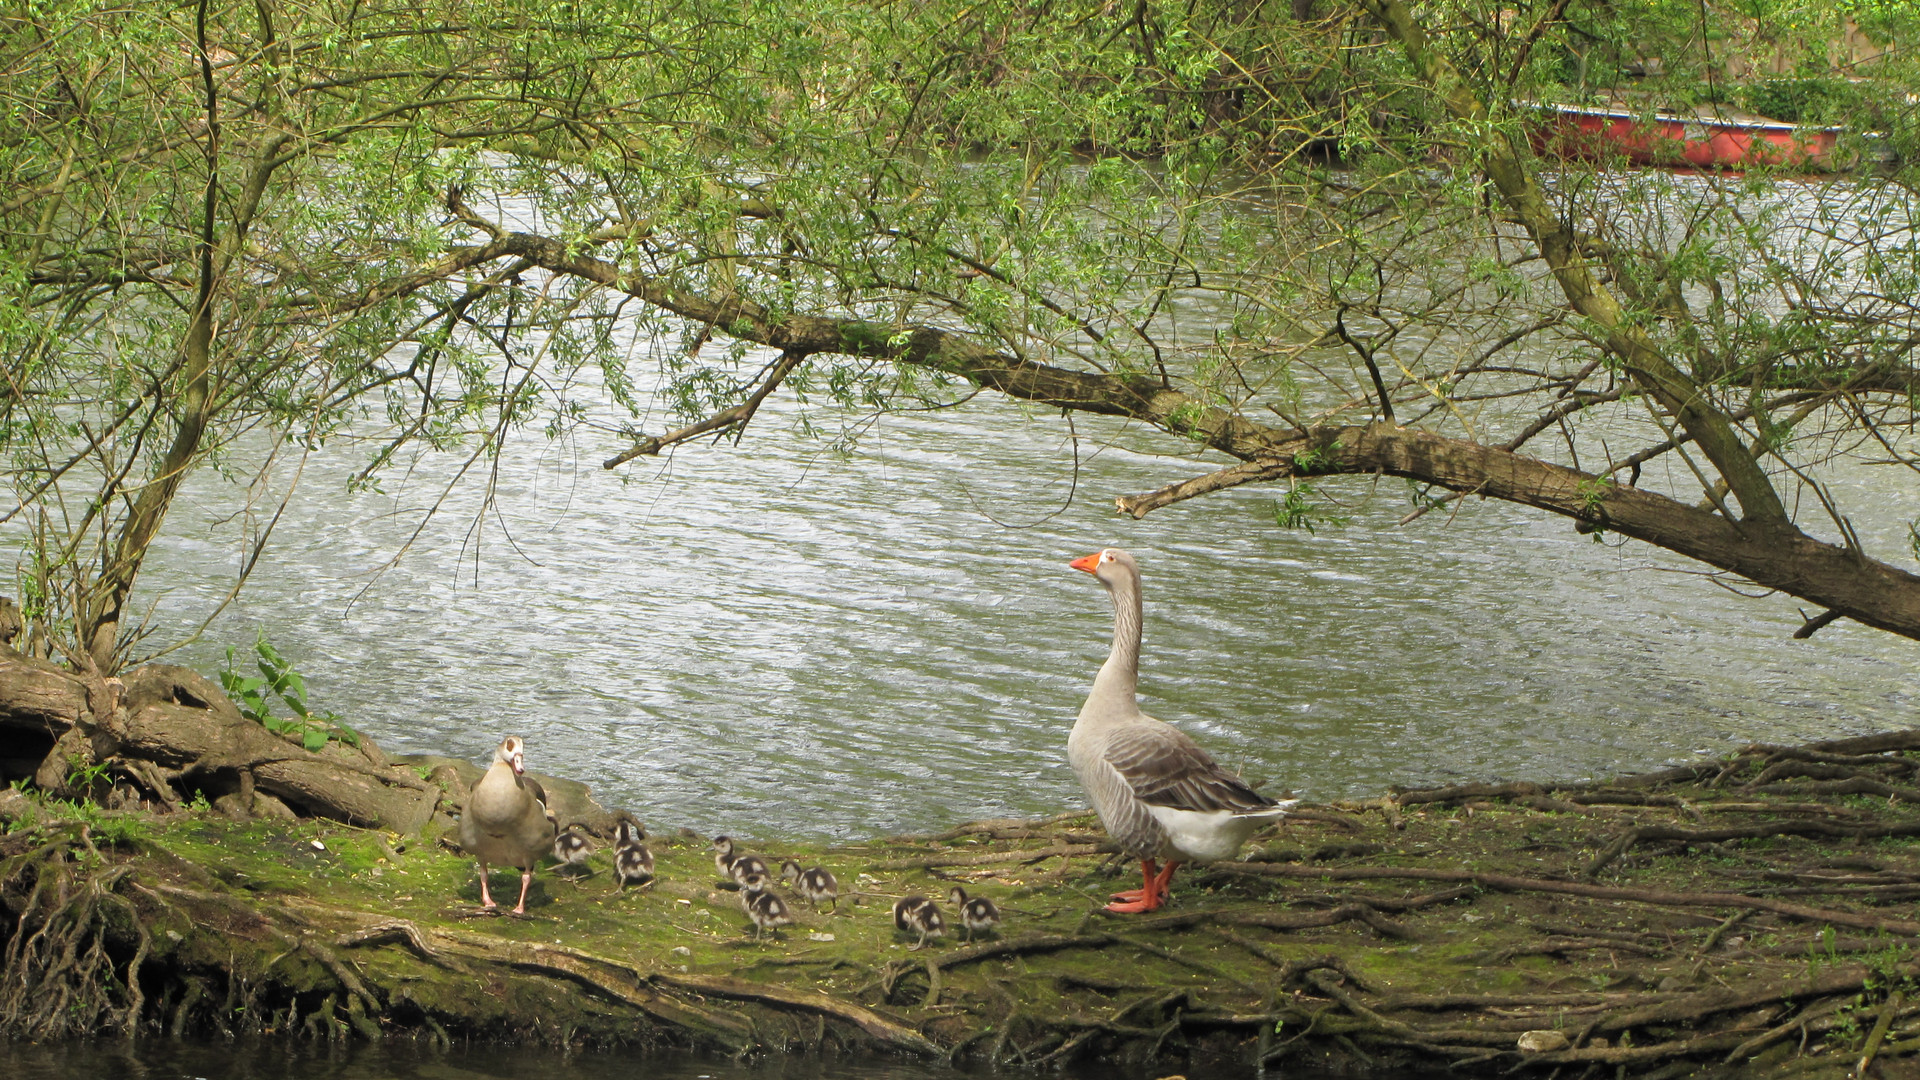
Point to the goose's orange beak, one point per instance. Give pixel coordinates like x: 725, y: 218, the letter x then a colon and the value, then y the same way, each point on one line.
x: 1086, y: 562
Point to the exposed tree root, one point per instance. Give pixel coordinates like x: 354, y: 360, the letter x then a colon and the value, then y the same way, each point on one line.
x: 1691, y: 955
x: 76, y: 945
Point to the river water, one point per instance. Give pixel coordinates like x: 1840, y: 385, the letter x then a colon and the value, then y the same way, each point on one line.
x: 768, y: 639
x: 772, y: 639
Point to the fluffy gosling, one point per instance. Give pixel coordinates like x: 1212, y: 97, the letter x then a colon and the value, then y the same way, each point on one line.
x: 572, y: 847
x: 978, y: 914
x: 632, y: 862
x: 815, y: 886
x: 918, y: 915
x: 763, y: 905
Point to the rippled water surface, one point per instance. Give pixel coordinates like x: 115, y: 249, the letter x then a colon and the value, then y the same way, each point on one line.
x: 769, y: 639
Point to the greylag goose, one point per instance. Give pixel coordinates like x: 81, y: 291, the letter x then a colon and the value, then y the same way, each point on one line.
x: 572, y: 846
x: 733, y: 866
x: 815, y: 886
x: 763, y: 905
x: 1160, y: 796
x: 977, y: 913
x: 505, y: 820
x: 918, y: 915
x: 632, y: 862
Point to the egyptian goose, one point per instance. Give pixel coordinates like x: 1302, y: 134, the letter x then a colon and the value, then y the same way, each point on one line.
x: 763, y: 905
x: 814, y: 886
x: 632, y: 862
x: 977, y: 913
x: 1160, y: 796
x: 505, y: 820
x: 918, y: 915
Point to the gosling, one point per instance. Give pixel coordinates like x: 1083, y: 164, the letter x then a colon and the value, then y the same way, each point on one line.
x: 763, y: 905
x: 918, y: 915
x: 572, y: 847
x: 734, y: 866
x: 632, y: 862
x: 978, y: 914
x: 815, y: 886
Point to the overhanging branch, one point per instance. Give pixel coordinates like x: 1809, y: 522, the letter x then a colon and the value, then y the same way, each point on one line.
x: 1506, y: 166
x: 1249, y: 472
x: 1774, y: 554
x: 733, y: 419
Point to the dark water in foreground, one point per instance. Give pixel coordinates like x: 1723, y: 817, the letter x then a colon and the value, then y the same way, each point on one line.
x: 163, y: 1059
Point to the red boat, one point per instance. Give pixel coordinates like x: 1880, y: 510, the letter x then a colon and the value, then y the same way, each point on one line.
x: 1703, y: 140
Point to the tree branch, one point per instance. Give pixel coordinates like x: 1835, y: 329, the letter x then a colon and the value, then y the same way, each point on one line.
x: 735, y: 418
x: 1506, y: 165
x: 1774, y: 554
x: 1248, y: 472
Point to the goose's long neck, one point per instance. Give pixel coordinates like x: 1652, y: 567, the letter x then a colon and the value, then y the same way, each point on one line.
x: 1120, y: 675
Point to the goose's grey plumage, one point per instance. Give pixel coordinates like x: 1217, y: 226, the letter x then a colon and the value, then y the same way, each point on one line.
x: 1160, y: 796
x: 505, y: 820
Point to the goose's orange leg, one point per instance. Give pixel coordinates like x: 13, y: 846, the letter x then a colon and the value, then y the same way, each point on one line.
x: 1151, y: 894
x: 1148, y: 870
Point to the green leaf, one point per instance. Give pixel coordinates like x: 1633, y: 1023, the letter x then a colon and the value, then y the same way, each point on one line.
x: 293, y: 691
x: 314, y: 740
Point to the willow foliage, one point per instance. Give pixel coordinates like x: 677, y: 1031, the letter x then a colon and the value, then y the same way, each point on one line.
x: 291, y: 224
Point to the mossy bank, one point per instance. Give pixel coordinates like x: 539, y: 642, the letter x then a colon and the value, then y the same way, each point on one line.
x: 1746, y: 917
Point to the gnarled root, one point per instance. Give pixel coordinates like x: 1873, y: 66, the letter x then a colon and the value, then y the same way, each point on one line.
x: 74, y: 944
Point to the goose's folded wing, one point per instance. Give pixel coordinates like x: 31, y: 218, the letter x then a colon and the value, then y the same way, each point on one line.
x: 1166, y: 768
x: 531, y: 786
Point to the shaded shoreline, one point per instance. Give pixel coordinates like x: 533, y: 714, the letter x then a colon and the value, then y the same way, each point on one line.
x: 1747, y: 916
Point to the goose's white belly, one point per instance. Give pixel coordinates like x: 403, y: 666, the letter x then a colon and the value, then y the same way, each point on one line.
x: 1202, y: 835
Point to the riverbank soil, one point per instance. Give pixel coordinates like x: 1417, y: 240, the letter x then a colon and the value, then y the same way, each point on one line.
x: 1750, y: 916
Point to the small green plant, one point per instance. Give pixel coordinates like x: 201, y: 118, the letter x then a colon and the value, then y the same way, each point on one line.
x: 111, y: 827
x: 82, y: 776
x: 255, y: 694
x: 1300, y: 510
x: 1846, y: 1024
x: 1594, y: 490
x: 1822, y: 950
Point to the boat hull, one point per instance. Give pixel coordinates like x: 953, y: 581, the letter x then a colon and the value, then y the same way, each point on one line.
x: 1684, y: 142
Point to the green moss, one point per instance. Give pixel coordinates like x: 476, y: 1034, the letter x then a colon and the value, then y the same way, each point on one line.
x: 265, y: 901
